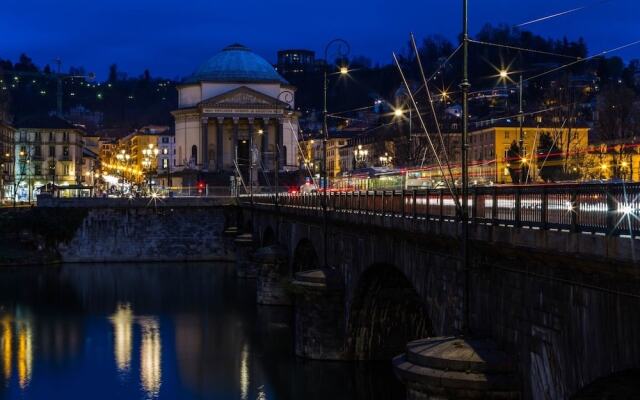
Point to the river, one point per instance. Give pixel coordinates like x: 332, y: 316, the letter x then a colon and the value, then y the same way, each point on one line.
x: 159, y: 331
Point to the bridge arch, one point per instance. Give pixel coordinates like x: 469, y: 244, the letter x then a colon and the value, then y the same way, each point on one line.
x: 619, y: 385
x: 386, y: 313
x: 305, y: 256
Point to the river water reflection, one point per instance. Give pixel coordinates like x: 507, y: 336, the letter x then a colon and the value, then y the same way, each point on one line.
x: 160, y: 331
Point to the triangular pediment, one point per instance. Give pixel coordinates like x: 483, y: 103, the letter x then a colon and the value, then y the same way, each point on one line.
x: 242, y: 97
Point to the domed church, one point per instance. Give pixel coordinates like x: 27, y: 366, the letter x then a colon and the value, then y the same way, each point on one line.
x: 233, y: 106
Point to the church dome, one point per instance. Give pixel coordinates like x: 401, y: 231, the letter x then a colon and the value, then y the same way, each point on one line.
x: 236, y: 63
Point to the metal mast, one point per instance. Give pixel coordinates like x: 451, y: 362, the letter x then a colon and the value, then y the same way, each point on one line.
x: 464, y: 213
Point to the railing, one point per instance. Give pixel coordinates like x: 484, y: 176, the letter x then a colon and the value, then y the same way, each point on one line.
x: 610, y: 209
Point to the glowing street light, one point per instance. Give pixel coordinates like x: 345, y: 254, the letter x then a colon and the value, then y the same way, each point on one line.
x: 344, y: 70
x: 504, y: 74
x: 398, y: 112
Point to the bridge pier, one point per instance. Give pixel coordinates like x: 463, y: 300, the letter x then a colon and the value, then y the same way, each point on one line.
x: 320, y: 331
x: 271, y: 263
x: 456, y: 368
x: 228, y: 236
x: 245, y: 267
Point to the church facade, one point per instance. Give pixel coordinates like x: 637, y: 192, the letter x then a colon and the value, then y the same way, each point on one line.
x: 235, y: 108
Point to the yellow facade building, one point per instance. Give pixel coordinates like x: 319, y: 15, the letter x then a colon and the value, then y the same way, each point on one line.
x: 490, y: 158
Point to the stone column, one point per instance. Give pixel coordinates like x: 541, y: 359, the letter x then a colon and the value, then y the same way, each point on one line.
x: 280, y: 142
x: 220, y: 144
x: 228, y: 237
x: 271, y: 263
x: 245, y: 268
x: 205, y: 143
x: 252, y: 167
x: 265, y: 143
x: 234, y: 142
x: 319, y: 327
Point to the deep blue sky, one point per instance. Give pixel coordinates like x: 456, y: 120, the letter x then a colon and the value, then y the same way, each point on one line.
x: 172, y: 37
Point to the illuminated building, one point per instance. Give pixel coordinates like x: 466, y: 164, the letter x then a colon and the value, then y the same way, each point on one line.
x: 48, y: 150
x: 489, y: 149
x: 7, y: 134
x: 234, y: 96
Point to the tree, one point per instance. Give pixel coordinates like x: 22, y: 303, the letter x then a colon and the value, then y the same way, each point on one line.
x: 25, y: 64
x: 514, y: 157
x: 549, y: 158
x: 618, y: 116
x: 113, y: 73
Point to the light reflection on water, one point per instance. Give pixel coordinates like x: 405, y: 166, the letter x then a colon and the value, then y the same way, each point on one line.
x: 158, y: 332
x: 150, y: 356
x: 122, y: 321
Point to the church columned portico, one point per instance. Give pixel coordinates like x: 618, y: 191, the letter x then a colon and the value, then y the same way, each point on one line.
x: 230, y: 112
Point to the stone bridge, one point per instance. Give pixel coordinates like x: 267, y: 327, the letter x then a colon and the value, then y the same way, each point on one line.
x: 556, y: 291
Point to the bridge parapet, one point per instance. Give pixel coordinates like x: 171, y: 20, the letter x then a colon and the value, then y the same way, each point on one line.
x: 110, y: 202
x: 595, y: 220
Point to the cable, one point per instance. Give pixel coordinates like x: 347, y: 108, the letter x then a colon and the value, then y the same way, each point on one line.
x: 446, y: 61
x: 506, y: 46
x: 561, y: 13
x: 404, y: 80
x: 433, y: 110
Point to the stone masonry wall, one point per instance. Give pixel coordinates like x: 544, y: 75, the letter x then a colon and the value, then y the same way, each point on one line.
x: 147, y: 234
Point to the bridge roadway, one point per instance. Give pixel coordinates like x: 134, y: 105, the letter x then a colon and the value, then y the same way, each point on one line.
x: 553, y: 277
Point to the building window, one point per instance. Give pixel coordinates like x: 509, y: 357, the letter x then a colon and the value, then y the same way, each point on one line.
x: 66, y: 169
x: 65, y: 136
x: 165, y: 140
x: 37, y: 169
x: 65, y: 151
x: 165, y: 151
x: 165, y: 163
x: 51, y: 136
x: 52, y: 151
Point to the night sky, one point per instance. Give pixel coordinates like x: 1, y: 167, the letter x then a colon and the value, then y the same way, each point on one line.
x: 171, y: 38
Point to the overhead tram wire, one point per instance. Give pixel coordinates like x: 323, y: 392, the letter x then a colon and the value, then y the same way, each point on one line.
x: 442, y: 65
x: 561, y: 67
x: 559, y: 14
x: 433, y: 110
x: 602, y: 53
x: 424, y: 127
x: 506, y: 46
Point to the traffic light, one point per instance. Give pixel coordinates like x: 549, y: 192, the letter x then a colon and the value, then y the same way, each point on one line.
x: 201, y: 186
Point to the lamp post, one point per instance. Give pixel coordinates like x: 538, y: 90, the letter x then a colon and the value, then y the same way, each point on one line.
x: 343, y: 52
x: 385, y: 160
x: 465, y: 86
x: 123, y: 157
x: 150, y: 156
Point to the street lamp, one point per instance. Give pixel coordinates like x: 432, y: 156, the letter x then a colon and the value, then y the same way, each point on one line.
x: 385, y: 160
x: 150, y: 155
x: 361, y: 156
